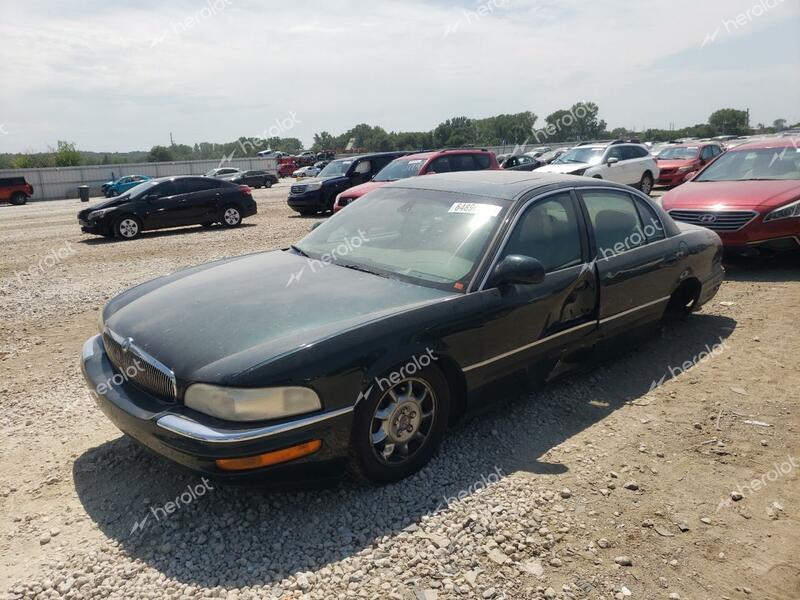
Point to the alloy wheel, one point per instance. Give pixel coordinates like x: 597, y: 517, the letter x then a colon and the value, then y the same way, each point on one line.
x: 128, y: 228
x: 232, y: 216
x: 403, y: 421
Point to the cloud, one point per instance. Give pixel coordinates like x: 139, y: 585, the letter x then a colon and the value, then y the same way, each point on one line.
x: 90, y: 72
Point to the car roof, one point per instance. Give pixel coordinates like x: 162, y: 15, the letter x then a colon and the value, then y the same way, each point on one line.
x: 785, y: 142
x: 397, y: 153
x: 503, y: 185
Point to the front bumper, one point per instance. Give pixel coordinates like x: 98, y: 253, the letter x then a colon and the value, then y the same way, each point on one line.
x: 672, y: 179
x: 194, y: 441
x: 776, y: 236
x: 308, y: 201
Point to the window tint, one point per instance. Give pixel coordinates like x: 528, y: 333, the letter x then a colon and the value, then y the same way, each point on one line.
x: 199, y: 185
x: 167, y: 188
x: 483, y: 161
x: 707, y: 152
x: 548, y: 231
x: 653, y: 230
x: 615, y: 152
x: 616, y: 223
x: 440, y: 165
x: 462, y: 162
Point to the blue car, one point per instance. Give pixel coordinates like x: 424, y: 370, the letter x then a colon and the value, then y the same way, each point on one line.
x: 123, y: 184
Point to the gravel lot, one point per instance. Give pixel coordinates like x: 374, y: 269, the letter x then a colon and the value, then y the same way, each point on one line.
x: 595, y: 486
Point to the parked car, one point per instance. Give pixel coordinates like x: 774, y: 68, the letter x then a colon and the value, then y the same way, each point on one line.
x: 307, y: 171
x: 517, y: 160
x: 619, y: 161
x: 675, y: 163
x: 256, y: 179
x: 457, y: 280
x: 423, y: 163
x: 169, y: 202
x: 549, y: 157
x: 286, y: 168
x: 15, y: 190
x: 123, y: 184
x: 222, y: 172
x: 319, y: 193
x: 537, y: 152
x: 750, y: 196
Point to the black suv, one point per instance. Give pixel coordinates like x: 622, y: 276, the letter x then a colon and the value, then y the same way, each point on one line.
x: 318, y: 194
x: 169, y: 202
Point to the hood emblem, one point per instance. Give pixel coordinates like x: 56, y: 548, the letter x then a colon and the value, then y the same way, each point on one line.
x: 708, y: 218
x: 126, y: 344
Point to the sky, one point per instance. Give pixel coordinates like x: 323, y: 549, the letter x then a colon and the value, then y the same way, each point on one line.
x: 123, y: 75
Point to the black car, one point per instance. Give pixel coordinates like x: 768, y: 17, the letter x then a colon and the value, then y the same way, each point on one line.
x: 169, y: 202
x: 319, y: 193
x: 519, y: 161
x: 433, y: 289
x: 256, y: 179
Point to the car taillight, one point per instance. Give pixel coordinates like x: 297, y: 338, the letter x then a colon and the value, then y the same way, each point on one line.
x: 246, y: 189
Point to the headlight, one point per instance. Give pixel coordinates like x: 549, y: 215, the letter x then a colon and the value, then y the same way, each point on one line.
x: 579, y: 171
x: 784, y: 212
x: 685, y: 169
x: 255, y: 404
x: 96, y: 214
x: 313, y: 187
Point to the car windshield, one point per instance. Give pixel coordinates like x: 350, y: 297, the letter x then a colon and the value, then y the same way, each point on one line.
x: 142, y: 188
x: 686, y: 153
x: 580, y: 155
x: 431, y: 238
x: 336, y: 168
x: 746, y: 165
x: 400, y: 169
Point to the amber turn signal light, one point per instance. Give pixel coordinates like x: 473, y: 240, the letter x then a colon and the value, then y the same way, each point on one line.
x: 269, y: 458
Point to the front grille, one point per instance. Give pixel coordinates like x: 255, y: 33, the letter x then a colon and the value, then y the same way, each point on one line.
x: 668, y: 171
x: 135, y: 366
x: 723, y: 220
x: 298, y: 189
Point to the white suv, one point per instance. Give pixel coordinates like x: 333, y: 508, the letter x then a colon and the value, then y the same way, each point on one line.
x: 628, y: 163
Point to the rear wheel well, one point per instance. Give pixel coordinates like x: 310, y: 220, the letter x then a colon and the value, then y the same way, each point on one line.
x: 684, y: 298
x: 457, y: 384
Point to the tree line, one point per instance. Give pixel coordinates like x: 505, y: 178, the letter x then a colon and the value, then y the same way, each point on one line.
x: 580, y: 122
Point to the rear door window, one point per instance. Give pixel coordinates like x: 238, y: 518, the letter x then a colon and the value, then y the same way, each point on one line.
x: 616, y: 222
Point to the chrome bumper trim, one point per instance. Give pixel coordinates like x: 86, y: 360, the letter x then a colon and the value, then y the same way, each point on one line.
x: 186, y: 427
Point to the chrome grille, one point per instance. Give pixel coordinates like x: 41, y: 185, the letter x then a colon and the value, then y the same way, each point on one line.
x: 298, y: 189
x: 139, y: 368
x: 722, y: 220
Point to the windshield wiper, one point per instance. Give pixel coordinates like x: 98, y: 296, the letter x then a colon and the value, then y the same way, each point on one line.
x: 299, y: 251
x: 358, y: 268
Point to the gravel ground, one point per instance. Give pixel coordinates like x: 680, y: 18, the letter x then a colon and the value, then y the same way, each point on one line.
x: 599, y: 485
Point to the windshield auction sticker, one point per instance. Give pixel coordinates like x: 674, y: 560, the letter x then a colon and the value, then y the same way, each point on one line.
x: 472, y: 208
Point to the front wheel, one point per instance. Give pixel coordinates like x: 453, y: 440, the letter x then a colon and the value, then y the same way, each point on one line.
x: 646, y: 184
x: 127, y: 228
x: 268, y: 183
x: 19, y: 199
x: 399, y: 426
x: 231, y: 216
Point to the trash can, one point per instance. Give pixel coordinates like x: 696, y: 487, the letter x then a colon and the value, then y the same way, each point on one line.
x: 83, y: 193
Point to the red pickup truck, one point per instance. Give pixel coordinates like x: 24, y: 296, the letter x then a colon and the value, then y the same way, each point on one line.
x: 15, y: 190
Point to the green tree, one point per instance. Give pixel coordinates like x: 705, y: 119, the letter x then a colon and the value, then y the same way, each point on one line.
x: 160, y: 154
x: 779, y: 124
x: 729, y: 121
x: 66, y: 155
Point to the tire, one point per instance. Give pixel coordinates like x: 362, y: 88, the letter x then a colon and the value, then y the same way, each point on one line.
x: 127, y: 227
x: 231, y: 216
x: 397, y: 430
x: 306, y: 212
x: 646, y: 183
x: 18, y: 199
x: 268, y: 183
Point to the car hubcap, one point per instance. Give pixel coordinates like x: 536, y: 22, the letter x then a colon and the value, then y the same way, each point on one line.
x: 231, y: 216
x: 403, y: 421
x: 646, y: 185
x: 128, y: 228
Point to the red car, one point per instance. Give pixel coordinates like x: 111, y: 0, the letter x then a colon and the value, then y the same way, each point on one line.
x: 286, y: 168
x: 15, y: 190
x: 678, y: 162
x: 750, y: 196
x: 423, y: 163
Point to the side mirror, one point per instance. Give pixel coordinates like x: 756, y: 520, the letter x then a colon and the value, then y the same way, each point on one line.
x: 518, y: 269
x: 612, y: 161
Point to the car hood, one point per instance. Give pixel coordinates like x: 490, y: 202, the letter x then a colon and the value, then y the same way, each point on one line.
x: 115, y: 201
x: 722, y: 195
x: 212, y: 322
x: 360, y: 190
x: 321, y: 179
x: 563, y: 168
x: 673, y: 164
